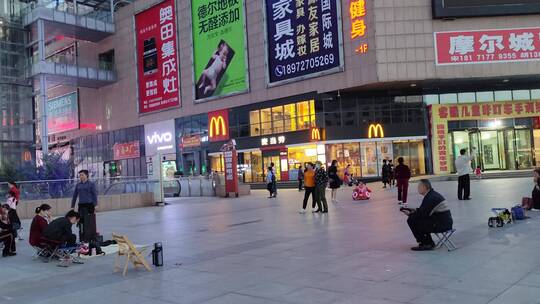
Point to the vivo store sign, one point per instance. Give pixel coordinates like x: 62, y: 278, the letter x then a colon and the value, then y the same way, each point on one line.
x: 159, y: 138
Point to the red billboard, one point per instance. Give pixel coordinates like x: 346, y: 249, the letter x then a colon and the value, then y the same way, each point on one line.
x: 218, y: 125
x: 487, y: 46
x: 157, y: 60
x: 126, y: 150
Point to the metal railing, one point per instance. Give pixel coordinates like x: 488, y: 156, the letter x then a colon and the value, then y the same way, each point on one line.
x: 69, y: 8
x: 63, y: 188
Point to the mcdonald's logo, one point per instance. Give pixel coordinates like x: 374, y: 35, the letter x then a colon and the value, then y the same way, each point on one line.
x: 218, y: 127
x: 315, y: 134
x: 375, y: 131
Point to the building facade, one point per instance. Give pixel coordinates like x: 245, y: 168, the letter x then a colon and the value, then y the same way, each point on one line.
x: 281, y: 69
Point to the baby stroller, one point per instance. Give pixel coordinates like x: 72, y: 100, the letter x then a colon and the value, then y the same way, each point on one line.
x: 361, y: 192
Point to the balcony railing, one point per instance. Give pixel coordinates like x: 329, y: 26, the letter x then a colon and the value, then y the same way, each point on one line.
x: 69, y: 8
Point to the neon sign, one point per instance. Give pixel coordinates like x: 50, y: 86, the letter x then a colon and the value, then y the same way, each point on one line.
x: 357, y: 10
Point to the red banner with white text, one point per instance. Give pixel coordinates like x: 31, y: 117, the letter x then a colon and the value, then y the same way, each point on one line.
x: 483, y: 46
x: 157, y: 60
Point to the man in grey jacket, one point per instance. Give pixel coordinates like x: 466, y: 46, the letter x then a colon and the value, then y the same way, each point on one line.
x: 87, y: 194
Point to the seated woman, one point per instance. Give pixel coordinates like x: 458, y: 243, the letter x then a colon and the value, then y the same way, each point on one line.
x: 6, y: 233
x: 39, y: 223
x: 59, y: 230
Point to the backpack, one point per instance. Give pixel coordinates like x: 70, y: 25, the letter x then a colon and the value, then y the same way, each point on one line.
x: 518, y: 212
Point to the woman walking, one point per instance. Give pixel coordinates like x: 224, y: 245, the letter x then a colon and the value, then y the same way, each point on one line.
x: 270, y: 182
x: 403, y: 174
x: 335, y: 182
x: 309, y: 186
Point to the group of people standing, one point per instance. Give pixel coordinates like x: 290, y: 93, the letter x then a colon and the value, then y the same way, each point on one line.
x: 10, y: 223
x: 315, y: 180
x: 398, y: 176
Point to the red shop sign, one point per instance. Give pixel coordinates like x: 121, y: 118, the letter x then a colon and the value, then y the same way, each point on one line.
x: 483, y: 46
x: 157, y: 59
x: 126, y: 150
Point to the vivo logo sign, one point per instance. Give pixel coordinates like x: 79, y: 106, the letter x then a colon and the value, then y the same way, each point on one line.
x: 159, y: 138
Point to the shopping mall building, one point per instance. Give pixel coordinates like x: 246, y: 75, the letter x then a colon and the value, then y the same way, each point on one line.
x: 292, y: 81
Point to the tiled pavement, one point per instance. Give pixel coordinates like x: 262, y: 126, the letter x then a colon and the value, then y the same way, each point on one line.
x: 257, y: 250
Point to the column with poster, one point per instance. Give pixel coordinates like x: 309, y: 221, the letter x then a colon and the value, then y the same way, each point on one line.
x: 231, y: 171
x: 219, y: 48
x: 303, y: 39
x: 157, y: 60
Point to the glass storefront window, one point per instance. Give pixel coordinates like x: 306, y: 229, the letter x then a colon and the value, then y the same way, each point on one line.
x: 289, y: 115
x: 216, y: 162
x: 255, y: 121
x: 384, y: 151
x: 521, y: 95
x: 503, y: 95
x: 351, y: 156
x: 431, y: 99
x: 466, y: 97
x: 401, y: 149
x: 449, y: 98
x: 300, y: 156
x: 535, y: 94
x: 266, y: 121
x: 368, y: 153
x: 523, y: 149
x: 418, y: 161
x: 484, y: 96
x: 277, y: 119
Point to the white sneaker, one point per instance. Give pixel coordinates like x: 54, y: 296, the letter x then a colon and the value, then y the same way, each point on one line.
x: 535, y: 209
x: 302, y: 211
x: 400, y: 203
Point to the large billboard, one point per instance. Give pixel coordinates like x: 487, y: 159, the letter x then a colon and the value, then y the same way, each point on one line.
x: 303, y: 39
x: 159, y: 138
x: 157, y: 58
x: 62, y: 114
x: 219, y: 48
x: 487, y: 46
x: 474, y: 8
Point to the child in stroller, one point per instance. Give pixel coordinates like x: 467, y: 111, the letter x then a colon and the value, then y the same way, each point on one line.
x: 361, y: 192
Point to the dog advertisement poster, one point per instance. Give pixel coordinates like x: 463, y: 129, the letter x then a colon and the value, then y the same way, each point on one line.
x: 219, y: 48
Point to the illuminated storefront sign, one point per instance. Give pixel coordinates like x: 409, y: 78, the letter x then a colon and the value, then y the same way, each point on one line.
x: 315, y: 134
x: 441, y: 114
x: 126, y: 150
x: 375, y: 131
x: 274, y: 140
x: 486, y: 46
x: 191, y: 141
x: 159, y: 138
x: 218, y: 125
x: 357, y: 10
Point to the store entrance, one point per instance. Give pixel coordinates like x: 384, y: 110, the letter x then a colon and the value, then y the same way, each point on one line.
x: 507, y: 149
x: 267, y: 160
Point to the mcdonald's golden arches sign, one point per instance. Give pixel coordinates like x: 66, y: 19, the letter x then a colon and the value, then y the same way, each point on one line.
x: 218, y: 125
x: 375, y: 131
x: 316, y: 134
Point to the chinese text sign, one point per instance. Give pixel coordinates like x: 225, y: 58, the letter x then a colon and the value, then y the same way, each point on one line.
x: 219, y: 47
x: 357, y: 13
x: 62, y: 114
x: 157, y: 60
x: 506, y: 45
x: 303, y: 38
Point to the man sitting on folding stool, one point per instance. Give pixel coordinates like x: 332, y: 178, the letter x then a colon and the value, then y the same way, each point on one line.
x: 433, y: 216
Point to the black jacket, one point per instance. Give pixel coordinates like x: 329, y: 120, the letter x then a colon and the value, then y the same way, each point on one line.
x: 434, y: 207
x: 58, y: 230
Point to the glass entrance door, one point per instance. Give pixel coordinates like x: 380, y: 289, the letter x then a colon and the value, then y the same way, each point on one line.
x: 267, y: 160
x: 524, y: 158
x: 490, y: 150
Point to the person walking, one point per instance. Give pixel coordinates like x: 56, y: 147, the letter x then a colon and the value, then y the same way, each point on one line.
x: 309, y: 185
x: 402, y: 174
x: 86, y: 192
x: 463, y: 168
x: 335, y: 181
x: 270, y: 182
x: 300, y: 178
x: 274, y: 180
x: 385, y: 173
x: 321, y: 181
x: 392, y: 174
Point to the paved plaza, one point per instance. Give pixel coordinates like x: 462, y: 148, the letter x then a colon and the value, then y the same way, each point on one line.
x: 257, y: 250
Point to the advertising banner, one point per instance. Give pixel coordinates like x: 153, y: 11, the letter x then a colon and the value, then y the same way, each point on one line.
x: 231, y: 167
x: 63, y: 113
x: 219, y: 48
x: 303, y: 38
x: 218, y: 125
x: 157, y: 60
x: 487, y: 46
x: 126, y: 150
x: 191, y: 141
